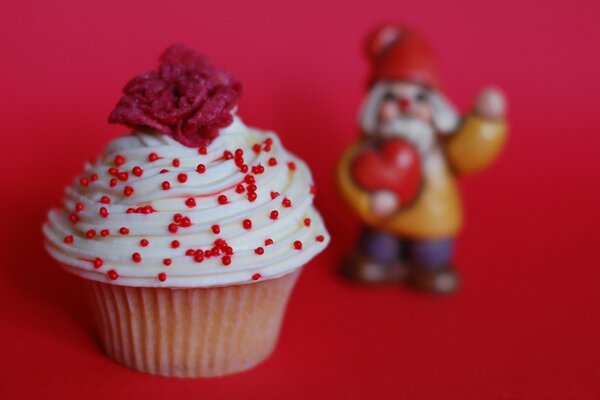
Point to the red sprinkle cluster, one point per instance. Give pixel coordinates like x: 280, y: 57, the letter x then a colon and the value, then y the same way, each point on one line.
x: 186, y: 98
x: 220, y: 248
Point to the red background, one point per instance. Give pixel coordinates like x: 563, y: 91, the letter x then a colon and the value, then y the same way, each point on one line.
x: 526, y: 324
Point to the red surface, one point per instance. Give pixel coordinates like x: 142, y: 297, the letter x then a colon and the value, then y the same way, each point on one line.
x: 526, y: 324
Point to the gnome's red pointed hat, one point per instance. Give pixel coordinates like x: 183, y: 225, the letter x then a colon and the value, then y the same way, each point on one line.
x: 400, y: 53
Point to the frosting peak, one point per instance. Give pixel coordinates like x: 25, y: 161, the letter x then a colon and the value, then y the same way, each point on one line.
x: 154, y: 212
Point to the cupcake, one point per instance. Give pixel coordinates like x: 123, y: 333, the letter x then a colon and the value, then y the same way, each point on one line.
x: 189, y: 232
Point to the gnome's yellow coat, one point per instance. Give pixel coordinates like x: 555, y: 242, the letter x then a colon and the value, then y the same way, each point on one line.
x: 436, y: 213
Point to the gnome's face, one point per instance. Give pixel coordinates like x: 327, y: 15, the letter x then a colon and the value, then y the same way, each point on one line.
x: 404, y: 101
x: 407, y: 110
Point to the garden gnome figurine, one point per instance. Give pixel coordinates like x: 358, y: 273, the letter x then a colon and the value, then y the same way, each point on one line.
x: 400, y: 176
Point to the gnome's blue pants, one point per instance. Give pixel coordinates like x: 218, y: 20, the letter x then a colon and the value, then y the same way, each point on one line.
x: 386, y: 248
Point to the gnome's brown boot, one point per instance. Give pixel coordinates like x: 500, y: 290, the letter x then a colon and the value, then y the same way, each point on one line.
x: 363, y: 269
x: 442, y: 281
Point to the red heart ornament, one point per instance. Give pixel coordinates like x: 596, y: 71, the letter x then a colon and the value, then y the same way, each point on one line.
x: 395, y: 166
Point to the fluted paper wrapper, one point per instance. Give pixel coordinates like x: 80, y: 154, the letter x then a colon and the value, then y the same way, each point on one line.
x: 194, y: 332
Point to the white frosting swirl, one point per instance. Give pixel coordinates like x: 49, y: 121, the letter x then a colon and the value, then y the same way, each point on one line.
x: 297, y: 234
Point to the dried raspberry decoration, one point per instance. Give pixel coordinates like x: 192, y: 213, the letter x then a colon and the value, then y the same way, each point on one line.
x: 186, y: 98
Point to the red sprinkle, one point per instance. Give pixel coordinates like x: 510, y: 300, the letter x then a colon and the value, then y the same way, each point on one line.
x: 256, y: 147
x: 256, y: 277
x: 78, y: 207
x: 136, y: 257
x: 244, y: 169
x: 103, y: 212
x: 173, y: 227
x: 201, y: 168
x: 73, y: 218
x: 144, y: 242
x: 113, y: 182
x: 190, y: 252
x: 251, y: 196
x: 222, y: 199
x: 177, y: 217
x: 105, y: 200
x: 123, y: 231
x: 152, y: 157
x: 274, y: 214
x: 175, y: 244
x: 94, y: 177
x: 191, y: 202
x: 307, y: 221
x: 84, y: 181
x: 98, y: 262
x: 286, y: 202
x: 68, y: 239
x: 137, y: 171
x: 182, y: 178
x: 272, y: 161
x: 186, y: 222
x: 167, y: 261
x: 216, y: 229
x: 247, y: 224
x: 274, y: 195
x: 298, y: 245
x: 128, y: 191
x: 113, y: 171
x: 90, y: 234
x: 226, y: 260
x: 292, y: 166
x: 176, y: 162
x: 162, y: 277
x: 268, y: 141
x: 239, y: 188
x: 166, y: 185
x: 249, y: 179
x: 320, y: 238
x: 112, y: 274
x: 239, y: 153
x: 227, y: 155
x: 123, y: 175
x: 202, y: 150
x: 164, y: 171
x: 104, y: 232
x: 119, y: 160
x: 268, y: 242
x: 259, y: 250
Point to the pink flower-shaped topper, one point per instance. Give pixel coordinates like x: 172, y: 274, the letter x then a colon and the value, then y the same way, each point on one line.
x: 186, y: 98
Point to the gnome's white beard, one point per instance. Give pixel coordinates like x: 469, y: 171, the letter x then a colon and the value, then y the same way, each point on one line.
x: 417, y: 132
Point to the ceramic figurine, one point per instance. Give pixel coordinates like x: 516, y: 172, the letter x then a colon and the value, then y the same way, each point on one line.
x: 400, y: 177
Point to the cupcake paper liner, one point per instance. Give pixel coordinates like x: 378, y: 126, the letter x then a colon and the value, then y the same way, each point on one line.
x: 192, y: 332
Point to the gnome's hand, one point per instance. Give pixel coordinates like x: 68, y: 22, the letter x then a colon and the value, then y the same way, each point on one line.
x: 490, y: 104
x: 384, y: 203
